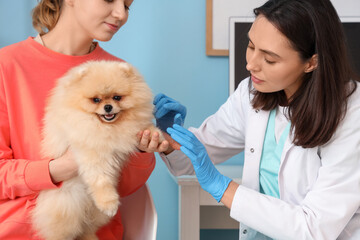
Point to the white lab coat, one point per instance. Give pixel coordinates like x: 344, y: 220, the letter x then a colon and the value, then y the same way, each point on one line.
x: 319, y: 187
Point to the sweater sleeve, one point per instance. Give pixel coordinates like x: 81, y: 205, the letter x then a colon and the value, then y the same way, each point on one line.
x: 19, y: 177
x: 136, y: 173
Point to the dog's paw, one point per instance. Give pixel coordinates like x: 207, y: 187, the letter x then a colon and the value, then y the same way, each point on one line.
x: 108, y: 204
x: 109, y: 208
x: 88, y: 236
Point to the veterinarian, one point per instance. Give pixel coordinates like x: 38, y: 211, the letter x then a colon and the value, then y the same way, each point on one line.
x: 28, y: 71
x: 297, y: 120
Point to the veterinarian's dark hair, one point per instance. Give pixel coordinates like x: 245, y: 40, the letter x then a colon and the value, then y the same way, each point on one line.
x: 316, y: 109
x: 46, y: 14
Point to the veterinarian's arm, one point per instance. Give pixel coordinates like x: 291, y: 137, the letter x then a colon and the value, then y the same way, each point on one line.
x: 210, y: 179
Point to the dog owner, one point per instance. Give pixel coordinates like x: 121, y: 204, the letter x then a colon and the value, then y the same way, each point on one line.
x: 297, y: 120
x: 28, y: 71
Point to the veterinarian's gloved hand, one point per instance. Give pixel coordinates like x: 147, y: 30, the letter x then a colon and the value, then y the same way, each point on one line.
x: 210, y: 179
x: 168, y: 112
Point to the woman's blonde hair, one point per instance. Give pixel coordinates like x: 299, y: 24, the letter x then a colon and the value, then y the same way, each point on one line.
x: 45, y: 15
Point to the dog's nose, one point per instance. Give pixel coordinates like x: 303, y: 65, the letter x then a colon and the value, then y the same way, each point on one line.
x: 108, y: 108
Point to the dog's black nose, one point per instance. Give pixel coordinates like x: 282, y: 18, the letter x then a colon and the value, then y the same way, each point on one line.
x: 108, y: 108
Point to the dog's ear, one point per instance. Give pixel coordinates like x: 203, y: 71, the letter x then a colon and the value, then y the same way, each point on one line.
x: 127, y: 69
x: 74, y: 75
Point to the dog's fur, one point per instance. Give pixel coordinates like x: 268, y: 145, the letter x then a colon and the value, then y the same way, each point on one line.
x: 76, y: 119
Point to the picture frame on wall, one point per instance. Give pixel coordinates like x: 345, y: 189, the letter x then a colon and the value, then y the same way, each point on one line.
x: 238, y: 41
x: 218, y: 13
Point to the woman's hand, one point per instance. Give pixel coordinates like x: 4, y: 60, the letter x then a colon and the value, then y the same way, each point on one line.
x: 63, y: 168
x: 150, y: 142
x: 210, y: 179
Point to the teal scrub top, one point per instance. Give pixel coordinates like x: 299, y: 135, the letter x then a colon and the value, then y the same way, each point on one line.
x: 270, y: 158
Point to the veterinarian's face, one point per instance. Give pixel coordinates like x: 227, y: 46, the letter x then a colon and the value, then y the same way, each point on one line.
x: 274, y: 65
x: 100, y: 19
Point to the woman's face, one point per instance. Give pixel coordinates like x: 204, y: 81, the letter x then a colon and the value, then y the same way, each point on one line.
x: 274, y: 65
x: 100, y: 19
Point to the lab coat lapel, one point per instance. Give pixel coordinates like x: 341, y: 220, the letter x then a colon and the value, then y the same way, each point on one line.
x: 287, y: 146
x: 256, y: 128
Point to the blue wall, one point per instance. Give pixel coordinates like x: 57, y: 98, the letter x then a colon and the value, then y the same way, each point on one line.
x: 165, y: 40
x: 15, y: 21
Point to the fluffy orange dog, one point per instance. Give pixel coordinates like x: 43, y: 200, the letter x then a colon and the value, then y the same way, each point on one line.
x: 96, y: 110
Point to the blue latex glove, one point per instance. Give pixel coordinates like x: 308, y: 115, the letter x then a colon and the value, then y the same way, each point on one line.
x: 168, y: 112
x: 210, y: 179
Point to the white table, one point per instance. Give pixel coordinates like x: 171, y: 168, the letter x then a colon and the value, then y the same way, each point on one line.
x: 199, y: 210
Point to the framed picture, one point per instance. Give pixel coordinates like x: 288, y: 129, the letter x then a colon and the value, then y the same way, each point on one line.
x: 218, y: 13
x: 239, y: 27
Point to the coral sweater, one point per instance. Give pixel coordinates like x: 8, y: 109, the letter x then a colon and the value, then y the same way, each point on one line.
x: 28, y: 72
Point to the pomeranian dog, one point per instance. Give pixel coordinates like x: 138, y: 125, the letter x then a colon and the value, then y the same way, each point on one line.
x: 96, y: 111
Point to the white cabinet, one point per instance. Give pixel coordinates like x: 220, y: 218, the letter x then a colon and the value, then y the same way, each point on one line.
x: 199, y: 210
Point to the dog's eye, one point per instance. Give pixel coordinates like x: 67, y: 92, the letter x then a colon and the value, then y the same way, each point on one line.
x: 96, y: 100
x: 117, y: 98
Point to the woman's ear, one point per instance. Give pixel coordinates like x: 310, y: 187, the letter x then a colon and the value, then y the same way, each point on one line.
x: 311, y: 64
